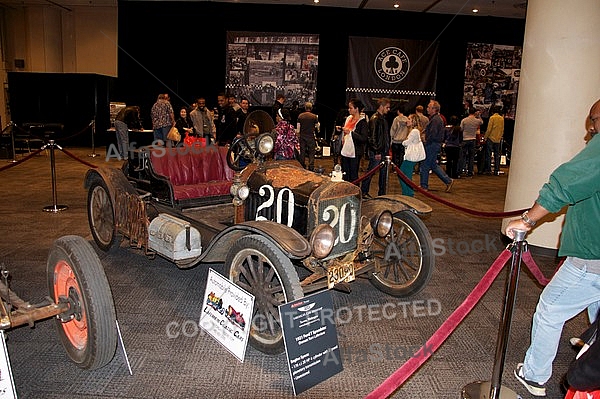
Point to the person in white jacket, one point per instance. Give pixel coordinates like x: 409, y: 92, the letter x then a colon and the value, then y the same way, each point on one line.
x: 414, y: 152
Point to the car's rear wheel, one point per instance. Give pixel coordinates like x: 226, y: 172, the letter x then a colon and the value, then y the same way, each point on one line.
x: 76, y: 276
x: 404, y: 260
x: 258, y: 266
x: 101, y: 215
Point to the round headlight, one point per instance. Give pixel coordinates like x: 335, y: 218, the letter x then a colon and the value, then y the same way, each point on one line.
x: 243, y: 192
x: 322, y: 240
x: 382, y: 223
x: 265, y: 143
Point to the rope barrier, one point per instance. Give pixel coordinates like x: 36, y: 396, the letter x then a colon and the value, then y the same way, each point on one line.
x: 21, y: 160
x: 369, y: 173
x: 395, y: 380
x: 62, y: 139
x: 407, y: 369
x: 78, y: 159
x: 452, y: 205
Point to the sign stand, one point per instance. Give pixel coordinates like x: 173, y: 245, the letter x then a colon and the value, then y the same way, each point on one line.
x: 310, y: 338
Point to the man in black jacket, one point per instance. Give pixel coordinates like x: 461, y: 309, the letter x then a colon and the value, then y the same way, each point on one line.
x: 378, y: 146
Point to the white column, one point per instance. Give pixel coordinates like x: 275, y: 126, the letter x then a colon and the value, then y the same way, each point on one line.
x: 560, y: 80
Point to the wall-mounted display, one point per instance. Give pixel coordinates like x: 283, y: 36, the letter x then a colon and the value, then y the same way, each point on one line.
x: 492, y: 74
x: 261, y: 65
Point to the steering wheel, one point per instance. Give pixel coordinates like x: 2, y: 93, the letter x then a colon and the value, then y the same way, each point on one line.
x: 239, y: 154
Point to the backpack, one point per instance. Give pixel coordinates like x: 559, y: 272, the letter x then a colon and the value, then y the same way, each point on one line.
x: 584, y: 372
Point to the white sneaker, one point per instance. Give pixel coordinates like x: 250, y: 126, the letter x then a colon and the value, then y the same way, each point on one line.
x: 533, y: 387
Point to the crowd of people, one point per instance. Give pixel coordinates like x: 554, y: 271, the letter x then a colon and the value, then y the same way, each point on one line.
x: 375, y: 139
x: 356, y: 136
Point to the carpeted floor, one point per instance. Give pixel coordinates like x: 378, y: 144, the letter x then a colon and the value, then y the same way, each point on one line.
x: 152, y: 296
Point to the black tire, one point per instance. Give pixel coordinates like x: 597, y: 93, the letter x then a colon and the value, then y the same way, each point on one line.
x: 101, y: 215
x: 410, y: 261
x: 258, y: 266
x: 76, y: 275
x: 239, y: 154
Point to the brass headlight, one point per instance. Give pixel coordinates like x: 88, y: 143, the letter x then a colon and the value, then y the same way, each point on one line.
x: 382, y: 223
x: 265, y: 143
x: 322, y: 240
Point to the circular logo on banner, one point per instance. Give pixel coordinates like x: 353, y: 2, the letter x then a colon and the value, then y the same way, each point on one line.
x: 391, y: 64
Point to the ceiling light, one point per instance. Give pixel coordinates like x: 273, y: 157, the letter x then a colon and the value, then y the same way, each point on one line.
x: 316, y: 1
x: 475, y: 10
x: 396, y: 5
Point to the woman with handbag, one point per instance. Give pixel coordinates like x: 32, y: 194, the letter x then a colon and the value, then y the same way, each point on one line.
x: 414, y: 152
x: 354, y: 138
x: 184, y: 126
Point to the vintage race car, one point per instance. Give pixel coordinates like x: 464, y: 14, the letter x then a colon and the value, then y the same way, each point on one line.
x: 280, y: 230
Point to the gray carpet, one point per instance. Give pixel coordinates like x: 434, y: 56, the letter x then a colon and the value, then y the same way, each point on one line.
x: 152, y: 295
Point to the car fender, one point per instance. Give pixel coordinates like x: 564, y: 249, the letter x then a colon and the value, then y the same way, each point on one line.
x: 291, y: 243
x: 114, y: 179
x: 395, y: 203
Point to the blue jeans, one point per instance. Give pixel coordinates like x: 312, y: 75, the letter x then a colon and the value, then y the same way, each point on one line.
x: 161, y: 133
x: 468, y: 155
x: 490, y: 147
x: 571, y: 291
x: 432, y: 150
x: 366, y: 183
x: 122, y: 139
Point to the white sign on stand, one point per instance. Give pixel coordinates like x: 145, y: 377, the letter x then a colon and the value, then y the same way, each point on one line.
x: 7, y: 384
x: 227, y: 313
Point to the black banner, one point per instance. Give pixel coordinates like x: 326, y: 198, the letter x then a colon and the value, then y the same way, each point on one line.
x: 402, y: 70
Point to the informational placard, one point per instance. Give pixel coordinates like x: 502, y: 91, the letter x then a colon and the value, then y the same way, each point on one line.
x: 7, y: 384
x: 224, y: 313
x: 310, y: 339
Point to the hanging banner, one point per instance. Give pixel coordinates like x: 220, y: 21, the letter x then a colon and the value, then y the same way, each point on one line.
x: 492, y: 75
x: 402, y: 70
x: 261, y: 65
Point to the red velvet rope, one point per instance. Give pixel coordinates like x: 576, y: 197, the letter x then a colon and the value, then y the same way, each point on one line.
x: 398, y: 378
x: 407, y: 369
x: 369, y: 173
x: 78, y: 159
x: 451, y: 205
x: 20, y: 161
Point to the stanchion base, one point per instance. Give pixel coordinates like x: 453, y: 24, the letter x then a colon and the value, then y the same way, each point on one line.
x: 12, y: 161
x: 94, y: 155
x: 55, y: 208
x: 481, y: 390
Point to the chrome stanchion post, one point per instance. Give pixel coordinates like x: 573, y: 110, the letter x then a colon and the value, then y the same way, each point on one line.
x: 388, y: 164
x: 12, y: 142
x: 53, y: 207
x: 494, y: 388
x: 93, y: 125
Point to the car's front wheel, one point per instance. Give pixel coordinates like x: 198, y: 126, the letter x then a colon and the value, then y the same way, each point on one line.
x: 404, y: 259
x: 261, y: 268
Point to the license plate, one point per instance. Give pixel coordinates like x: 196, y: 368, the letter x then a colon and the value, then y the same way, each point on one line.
x: 337, y: 274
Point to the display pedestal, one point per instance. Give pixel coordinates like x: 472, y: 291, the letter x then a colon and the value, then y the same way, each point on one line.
x: 481, y: 390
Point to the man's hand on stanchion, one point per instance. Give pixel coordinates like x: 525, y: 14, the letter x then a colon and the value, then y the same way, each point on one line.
x: 527, y: 221
x: 515, y: 226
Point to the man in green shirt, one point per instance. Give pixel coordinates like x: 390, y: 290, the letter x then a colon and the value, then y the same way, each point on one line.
x: 576, y: 284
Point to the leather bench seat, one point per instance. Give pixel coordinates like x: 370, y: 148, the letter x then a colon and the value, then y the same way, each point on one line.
x: 194, y: 173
